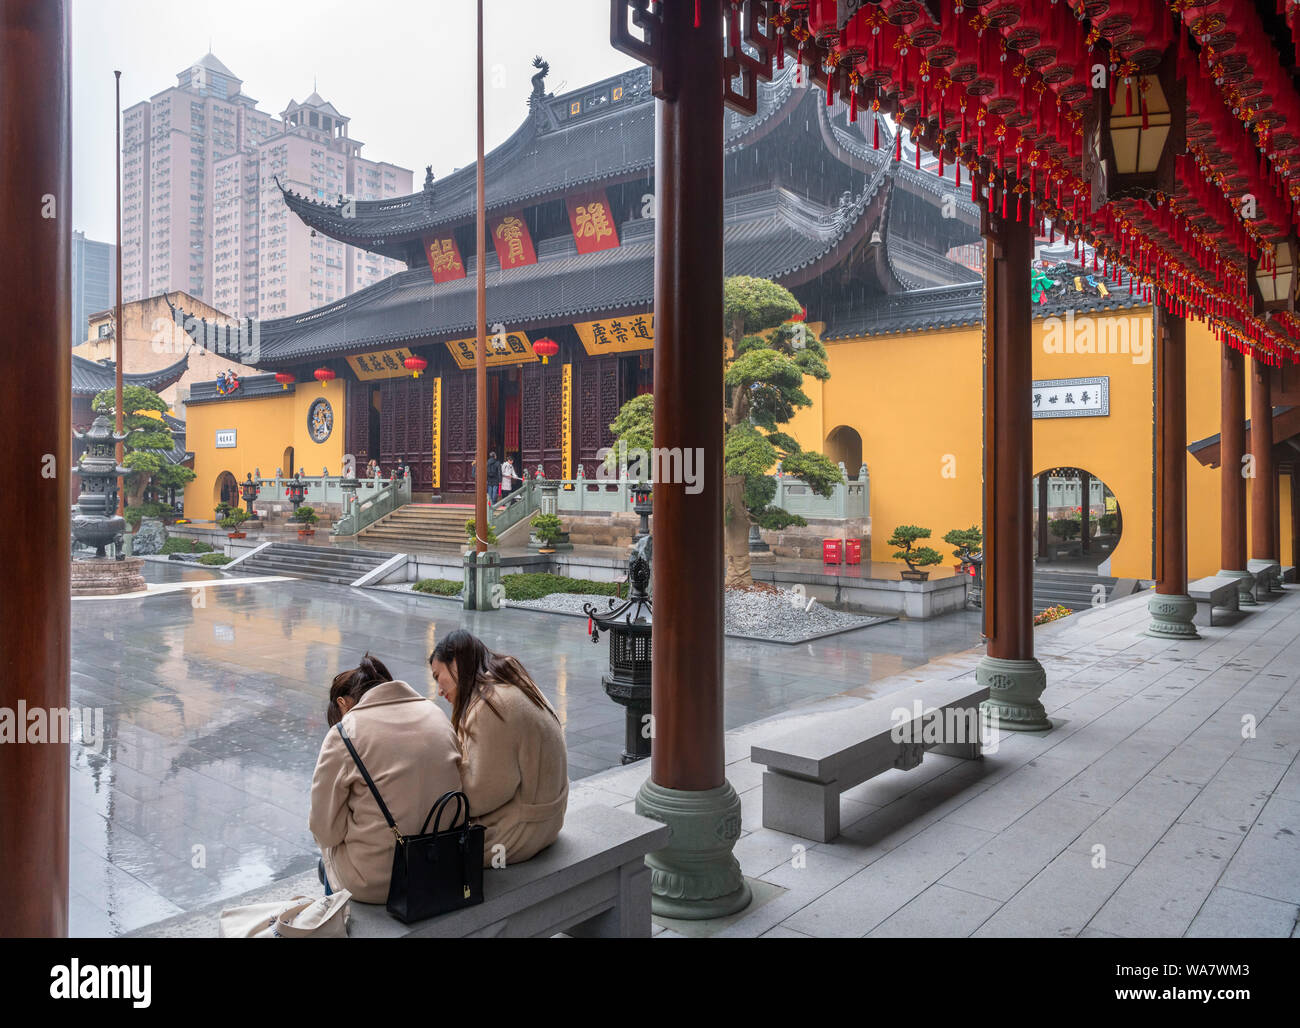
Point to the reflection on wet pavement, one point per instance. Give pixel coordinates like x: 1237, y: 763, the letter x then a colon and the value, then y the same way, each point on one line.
x: 213, y: 704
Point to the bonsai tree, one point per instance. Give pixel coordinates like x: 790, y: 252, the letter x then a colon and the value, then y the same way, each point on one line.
x: 235, y: 517
x: 547, y: 528
x: 1108, y: 523
x: 766, y: 359
x: 306, y: 516
x: 967, y: 542
x: 491, y: 536
x: 915, y: 558
x: 222, y: 511
x: 148, y: 441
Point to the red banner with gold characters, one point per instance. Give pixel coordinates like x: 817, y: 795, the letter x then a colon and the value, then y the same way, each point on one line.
x: 444, y: 259
x: 513, y: 242
x: 592, y: 222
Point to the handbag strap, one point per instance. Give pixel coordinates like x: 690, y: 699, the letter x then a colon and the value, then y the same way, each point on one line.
x: 435, y: 815
x: 369, y: 781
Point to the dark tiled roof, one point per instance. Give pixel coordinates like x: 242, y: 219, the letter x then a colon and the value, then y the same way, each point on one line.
x: 773, y: 234
x: 550, y: 154
x: 89, y: 378
x: 250, y: 386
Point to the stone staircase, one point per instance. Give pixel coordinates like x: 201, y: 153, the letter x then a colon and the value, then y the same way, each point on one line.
x: 1069, y: 589
x: 318, y: 563
x: 420, y: 528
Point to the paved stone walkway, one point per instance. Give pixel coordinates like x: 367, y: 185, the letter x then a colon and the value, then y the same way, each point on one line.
x: 1143, y: 812
x: 214, y: 703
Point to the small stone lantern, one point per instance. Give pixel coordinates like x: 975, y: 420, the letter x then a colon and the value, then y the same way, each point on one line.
x: 629, y: 627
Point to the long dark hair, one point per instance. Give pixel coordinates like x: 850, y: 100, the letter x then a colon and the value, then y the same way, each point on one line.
x: 354, y: 684
x: 477, y: 666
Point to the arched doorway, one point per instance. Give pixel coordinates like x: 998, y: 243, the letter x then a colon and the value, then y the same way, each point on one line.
x: 287, y: 465
x: 844, y: 445
x: 1077, y: 521
x: 226, y: 490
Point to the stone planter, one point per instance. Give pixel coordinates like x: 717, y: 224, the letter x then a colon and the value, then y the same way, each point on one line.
x: 236, y: 535
x: 914, y: 576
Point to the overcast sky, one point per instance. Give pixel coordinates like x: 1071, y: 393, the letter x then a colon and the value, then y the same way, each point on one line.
x: 402, y: 70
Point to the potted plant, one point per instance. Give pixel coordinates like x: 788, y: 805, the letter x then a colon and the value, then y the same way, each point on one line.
x: 966, y: 543
x: 222, y: 511
x: 490, y: 538
x: 306, y: 517
x: 232, y: 521
x: 915, y: 558
x: 549, y: 531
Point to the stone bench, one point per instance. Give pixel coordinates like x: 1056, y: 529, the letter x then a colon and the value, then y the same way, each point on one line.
x: 1214, y: 592
x: 808, y: 768
x: 592, y: 881
x: 1288, y: 573
x: 1267, y: 573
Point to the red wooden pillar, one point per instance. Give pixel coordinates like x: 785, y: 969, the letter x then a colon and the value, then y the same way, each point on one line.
x: 36, y: 231
x: 696, y: 876
x: 1015, y: 679
x: 1171, y: 608
x: 1263, y: 490
x: 1232, y: 480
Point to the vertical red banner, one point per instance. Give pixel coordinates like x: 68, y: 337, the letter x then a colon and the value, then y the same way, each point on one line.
x: 444, y: 259
x: 592, y: 222
x: 514, y: 244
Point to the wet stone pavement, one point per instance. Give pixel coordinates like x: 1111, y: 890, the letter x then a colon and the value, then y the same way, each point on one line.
x: 213, y: 706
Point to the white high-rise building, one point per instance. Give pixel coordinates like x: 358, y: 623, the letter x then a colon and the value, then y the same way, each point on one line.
x: 201, y: 212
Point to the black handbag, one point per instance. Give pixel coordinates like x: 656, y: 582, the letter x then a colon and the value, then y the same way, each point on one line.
x: 433, y: 872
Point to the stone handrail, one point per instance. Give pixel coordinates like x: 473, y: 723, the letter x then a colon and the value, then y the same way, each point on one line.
x: 375, y: 498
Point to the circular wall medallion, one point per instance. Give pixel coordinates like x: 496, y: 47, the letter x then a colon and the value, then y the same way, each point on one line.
x: 320, y: 419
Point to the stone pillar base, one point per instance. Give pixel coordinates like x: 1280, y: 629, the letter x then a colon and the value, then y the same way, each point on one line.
x: 695, y: 876
x: 1245, y: 586
x: 1014, y: 690
x: 482, y: 580
x: 1171, y: 617
x: 104, y: 576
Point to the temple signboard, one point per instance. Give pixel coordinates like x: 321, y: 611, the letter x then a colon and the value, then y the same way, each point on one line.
x: 370, y: 367
x: 1071, y: 398
x: 592, y: 222
x: 502, y: 348
x: 444, y: 259
x: 617, y: 335
x: 513, y: 242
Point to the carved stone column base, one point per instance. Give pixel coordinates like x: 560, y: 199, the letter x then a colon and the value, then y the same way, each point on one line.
x: 1014, y: 690
x: 1171, y: 617
x: 695, y: 876
x: 1245, y: 586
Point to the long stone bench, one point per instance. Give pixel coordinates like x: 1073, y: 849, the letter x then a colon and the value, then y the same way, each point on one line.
x: 1288, y: 573
x: 1267, y: 573
x: 592, y: 881
x: 808, y: 768
x: 1214, y: 592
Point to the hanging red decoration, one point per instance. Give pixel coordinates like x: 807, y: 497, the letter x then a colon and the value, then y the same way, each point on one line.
x: 285, y: 379
x: 546, y: 348
x: 415, y: 365
x: 323, y: 376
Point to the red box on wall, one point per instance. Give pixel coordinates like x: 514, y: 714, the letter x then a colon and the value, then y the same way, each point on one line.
x: 853, y: 551
x: 831, y: 551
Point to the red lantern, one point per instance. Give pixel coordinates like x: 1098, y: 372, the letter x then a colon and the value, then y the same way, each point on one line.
x: 546, y: 348
x: 284, y: 378
x: 415, y: 365
x: 323, y: 376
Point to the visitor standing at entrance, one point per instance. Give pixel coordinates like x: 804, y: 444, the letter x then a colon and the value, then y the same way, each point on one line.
x: 507, y: 476
x: 494, y: 476
x: 514, y: 764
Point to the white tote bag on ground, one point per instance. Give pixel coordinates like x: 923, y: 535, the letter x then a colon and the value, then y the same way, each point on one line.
x: 299, y: 918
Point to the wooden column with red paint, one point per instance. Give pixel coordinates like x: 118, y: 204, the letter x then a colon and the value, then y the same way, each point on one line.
x: 35, y: 293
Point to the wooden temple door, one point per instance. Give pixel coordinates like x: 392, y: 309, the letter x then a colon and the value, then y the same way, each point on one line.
x: 541, y: 405
x: 357, y: 437
x: 600, y: 394
x: 406, y: 432
x: 458, y: 413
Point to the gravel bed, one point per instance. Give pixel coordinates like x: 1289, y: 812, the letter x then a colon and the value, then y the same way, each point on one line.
x: 780, y: 616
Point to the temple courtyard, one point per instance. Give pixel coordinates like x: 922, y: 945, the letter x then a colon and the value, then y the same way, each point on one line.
x: 1165, y: 801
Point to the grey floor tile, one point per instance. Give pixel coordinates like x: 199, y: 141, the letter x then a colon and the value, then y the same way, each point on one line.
x: 1228, y: 914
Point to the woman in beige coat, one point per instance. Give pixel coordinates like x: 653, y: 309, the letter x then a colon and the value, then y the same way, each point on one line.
x: 514, y: 766
x: 410, y: 750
